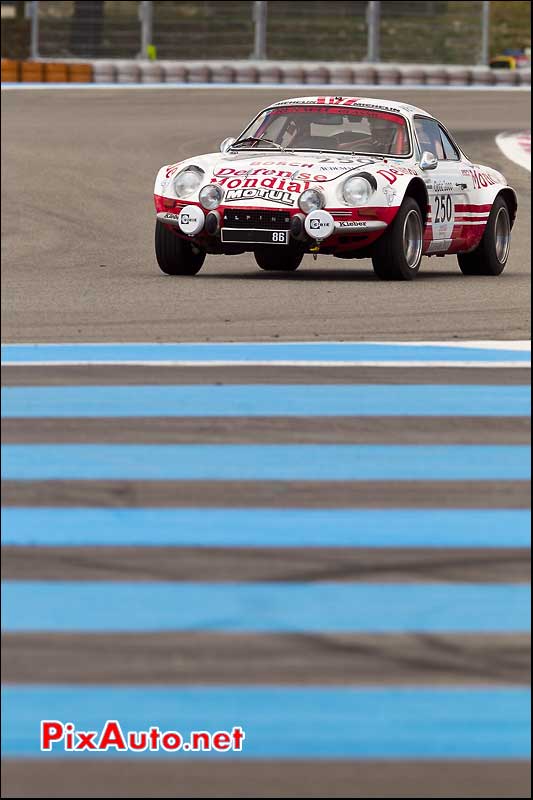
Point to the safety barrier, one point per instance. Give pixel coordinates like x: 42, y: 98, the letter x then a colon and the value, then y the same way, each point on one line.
x: 46, y: 72
x: 266, y: 72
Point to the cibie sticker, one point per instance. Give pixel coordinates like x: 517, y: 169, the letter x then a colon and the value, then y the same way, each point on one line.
x: 319, y: 224
x: 191, y: 220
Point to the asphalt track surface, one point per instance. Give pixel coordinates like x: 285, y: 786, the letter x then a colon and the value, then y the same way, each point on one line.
x: 90, y: 159
x: 78, y: 222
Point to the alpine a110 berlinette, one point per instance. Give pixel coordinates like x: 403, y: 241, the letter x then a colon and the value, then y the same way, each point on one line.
x: 350, y: 177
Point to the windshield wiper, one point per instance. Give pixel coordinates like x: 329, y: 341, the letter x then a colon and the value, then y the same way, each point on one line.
x: 235, y: 145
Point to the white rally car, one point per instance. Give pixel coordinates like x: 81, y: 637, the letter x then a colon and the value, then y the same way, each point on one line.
x: 350, y: 177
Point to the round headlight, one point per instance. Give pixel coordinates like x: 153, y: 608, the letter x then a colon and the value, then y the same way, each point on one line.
x: 356, y: 191
x: 311, y: 200
x: 188, y: 180
x: 211, y: 196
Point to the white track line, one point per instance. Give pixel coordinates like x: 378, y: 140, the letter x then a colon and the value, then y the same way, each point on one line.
x: 325, y: 87
x: 518, y: 345
x: 513, y: 147
x: 291, y: 363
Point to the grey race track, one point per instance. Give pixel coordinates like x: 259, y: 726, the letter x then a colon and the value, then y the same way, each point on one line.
x: 77, y: 226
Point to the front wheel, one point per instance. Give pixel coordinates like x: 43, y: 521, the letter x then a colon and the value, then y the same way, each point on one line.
x: 176, y: 256
x: 490, y: 256
x: 278, y: 258
x: 398, y: 252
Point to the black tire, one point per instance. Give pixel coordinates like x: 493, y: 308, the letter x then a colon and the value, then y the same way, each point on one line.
x: 278, y: 258
x: 175, y: 256
x: 394, y: 257
x: 490, y: 256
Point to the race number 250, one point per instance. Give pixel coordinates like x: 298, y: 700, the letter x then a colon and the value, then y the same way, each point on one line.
x: 443, y: 208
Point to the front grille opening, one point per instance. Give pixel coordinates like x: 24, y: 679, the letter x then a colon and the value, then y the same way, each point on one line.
x: 256, y: 218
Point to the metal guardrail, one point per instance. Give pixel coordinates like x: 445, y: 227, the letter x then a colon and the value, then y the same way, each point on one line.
x: 396, y: 31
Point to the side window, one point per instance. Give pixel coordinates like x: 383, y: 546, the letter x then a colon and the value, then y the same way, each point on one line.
x: 450, y: 151
x: 428, y: 134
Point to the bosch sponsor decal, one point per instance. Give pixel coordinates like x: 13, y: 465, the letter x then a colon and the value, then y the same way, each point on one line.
x: 282, y: 162
x: 265, y: 161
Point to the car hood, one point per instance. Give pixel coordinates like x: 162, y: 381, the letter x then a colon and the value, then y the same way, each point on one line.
x: 277, y: 177
x: 309, y: 166
x: 280, y: 178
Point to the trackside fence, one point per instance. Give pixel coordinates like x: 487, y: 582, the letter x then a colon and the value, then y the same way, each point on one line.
x: 426, y: 32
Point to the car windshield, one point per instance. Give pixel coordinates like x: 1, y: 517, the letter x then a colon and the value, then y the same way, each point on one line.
x: 328, y: 128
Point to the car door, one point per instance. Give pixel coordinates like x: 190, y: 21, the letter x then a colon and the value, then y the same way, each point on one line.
x: 446, y: 185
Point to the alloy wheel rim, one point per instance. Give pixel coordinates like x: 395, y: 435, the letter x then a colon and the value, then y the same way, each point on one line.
x: 412, y: 239
x: 502, y: 235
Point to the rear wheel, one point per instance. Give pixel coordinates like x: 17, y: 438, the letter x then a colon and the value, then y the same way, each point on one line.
x: 278, y: 258
x: 490, y: 256
x: 397, y: 254
x: 176, y: 256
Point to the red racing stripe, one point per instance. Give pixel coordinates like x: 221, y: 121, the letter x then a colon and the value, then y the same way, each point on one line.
x: 472, y: 207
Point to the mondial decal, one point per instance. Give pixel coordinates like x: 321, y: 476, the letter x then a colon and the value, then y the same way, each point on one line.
x: 274, y: 186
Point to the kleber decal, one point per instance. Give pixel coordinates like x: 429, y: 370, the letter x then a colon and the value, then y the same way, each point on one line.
x: 351, y: 223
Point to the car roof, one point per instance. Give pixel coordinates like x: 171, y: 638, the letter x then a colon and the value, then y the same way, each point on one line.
x: 366, y: 102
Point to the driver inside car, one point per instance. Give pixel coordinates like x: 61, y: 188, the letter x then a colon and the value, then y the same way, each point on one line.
x: 380, y: 136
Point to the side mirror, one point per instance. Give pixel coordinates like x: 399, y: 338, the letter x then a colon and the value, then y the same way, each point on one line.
x: 428, y: 160
x: 225, y: 144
